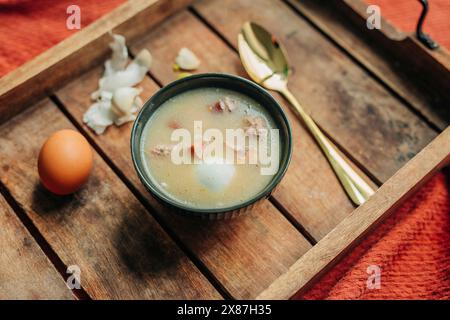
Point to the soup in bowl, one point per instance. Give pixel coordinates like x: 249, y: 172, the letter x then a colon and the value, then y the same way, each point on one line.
x: 211, y: 145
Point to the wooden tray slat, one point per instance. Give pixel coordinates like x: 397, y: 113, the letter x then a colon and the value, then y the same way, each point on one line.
x: 365, y: 119
x: 121, y: 251
x: 25, y: 271
x: 245, y: 254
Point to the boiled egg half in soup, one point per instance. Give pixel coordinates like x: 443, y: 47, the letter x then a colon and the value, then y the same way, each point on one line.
x: 214, y: 173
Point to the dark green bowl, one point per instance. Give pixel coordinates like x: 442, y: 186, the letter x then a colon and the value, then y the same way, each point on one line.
x: 212, y: 80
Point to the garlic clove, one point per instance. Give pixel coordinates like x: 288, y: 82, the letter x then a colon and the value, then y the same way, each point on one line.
x: 144, y: 59
x: 187, y: 60
x: 124, y: 99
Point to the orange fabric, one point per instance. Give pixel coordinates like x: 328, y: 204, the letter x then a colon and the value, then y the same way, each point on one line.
x: 29, y: 27
x: 412, y: 247
x: 405, y: 13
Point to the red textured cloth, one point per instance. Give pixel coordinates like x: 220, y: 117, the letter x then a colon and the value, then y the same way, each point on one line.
x: 29, y: 27
x: 412, y: 247
x: 404, y: 14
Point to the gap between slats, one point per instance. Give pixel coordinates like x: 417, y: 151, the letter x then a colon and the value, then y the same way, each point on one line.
x: 51, y: 255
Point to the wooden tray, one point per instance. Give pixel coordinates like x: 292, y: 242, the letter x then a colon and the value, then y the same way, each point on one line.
x: 379, y: 94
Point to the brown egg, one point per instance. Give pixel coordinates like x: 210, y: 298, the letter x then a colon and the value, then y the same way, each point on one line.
x: 65, y: 162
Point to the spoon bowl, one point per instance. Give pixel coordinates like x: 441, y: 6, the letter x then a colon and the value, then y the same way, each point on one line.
x: 264, y: 58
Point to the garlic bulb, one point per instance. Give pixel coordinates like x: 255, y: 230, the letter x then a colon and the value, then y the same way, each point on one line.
x: 187, y: 60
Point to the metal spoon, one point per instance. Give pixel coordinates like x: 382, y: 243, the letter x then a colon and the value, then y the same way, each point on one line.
x: 265, y: 60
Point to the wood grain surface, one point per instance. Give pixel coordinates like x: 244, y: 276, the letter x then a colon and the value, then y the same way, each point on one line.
x: 25, y: 271
x: 363, y: 117
x: 127, y: 244
x: 245, y: 254
x: 121, y: 251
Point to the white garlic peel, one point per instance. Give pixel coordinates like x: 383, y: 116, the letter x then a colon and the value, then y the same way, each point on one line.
x: 119, y: 57
x: 187, y: 60
x: 100, y: 115
x: 131, y: 76
x: 116, y: 100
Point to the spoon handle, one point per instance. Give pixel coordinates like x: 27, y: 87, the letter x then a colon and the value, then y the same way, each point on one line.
x: 357, y: 189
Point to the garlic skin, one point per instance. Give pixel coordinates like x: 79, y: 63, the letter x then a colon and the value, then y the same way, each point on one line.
x: 126, y: 102
x: 187, y: 60
x: 133, y: 74
x: 116, y: 100
x: 144, y: 59
x: 100, y: 115
x: 119, y: 58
